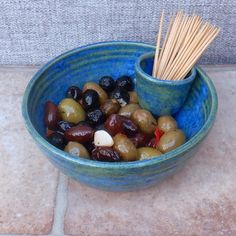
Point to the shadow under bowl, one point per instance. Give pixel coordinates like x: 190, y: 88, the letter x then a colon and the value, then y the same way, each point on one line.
x: 90, y: 63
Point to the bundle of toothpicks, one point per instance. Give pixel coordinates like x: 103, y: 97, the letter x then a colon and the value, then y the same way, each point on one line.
x: 187, y: 37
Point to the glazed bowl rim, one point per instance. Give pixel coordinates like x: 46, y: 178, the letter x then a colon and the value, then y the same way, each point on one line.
x: 160, y: 82
x: 42, y: 142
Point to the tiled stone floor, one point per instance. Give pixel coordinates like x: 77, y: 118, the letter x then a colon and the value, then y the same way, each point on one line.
x: 35, y: 199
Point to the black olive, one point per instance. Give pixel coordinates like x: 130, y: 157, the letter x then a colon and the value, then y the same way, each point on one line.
x: 129, y: 127
x: 90, y: 99
x: 121, y: 95
x: 64, y: 125
x: 95, y: 117
x: 99, y: 127
x: 74, y: 92
x: 89, y: 146
x: 107, y: 83
x: 125, y: 82
x: 57, y: 140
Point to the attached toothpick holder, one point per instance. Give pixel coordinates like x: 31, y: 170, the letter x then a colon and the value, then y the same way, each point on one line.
x: 161, y: 97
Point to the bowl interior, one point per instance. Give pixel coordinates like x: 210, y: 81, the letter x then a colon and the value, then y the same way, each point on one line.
x: 90, y: 63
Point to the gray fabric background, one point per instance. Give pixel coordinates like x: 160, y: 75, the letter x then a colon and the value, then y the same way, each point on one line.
x: 34, y: 31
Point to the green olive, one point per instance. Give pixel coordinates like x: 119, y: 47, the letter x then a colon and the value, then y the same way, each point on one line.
x: 166, y: 123
x: 77, y: 149
x: 71, y: 111
x: 144, y: 120
x: 133, y: 97
x: 128, y: 110
x: 147, y: 153
x: 101, y: 93
x: 125, y: 147
x: 111, y: 106
x: 171, y: 140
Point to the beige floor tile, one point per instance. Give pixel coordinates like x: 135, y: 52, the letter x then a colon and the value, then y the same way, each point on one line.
x: 28, y: 182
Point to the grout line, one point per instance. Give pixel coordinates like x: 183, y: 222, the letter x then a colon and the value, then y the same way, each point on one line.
x: 59, y: 210
x: 60, y: 206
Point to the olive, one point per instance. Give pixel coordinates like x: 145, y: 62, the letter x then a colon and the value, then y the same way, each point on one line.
x: 111, y: 106
x: 152, y: 143
x: 90, y: 99
x: 133, y: 97
x: 140, y: 139
x: 95, y: 117
x: 64, y: 125
x: 129, y: 128
x: 89, y: 146
x: 57, y: 140
x: 101, y: 93
x: 125, y: 82
x: 74, y: 92
x: 84, y: 123
x: 51, y: 115
x: 171, y: 140
x: 144, y: 120
x: 166, y: 123
x: 128, y: 110
x: 71, y: 111
x: 99, y: 127
x: 145, y: 153
x: 125, y: 148
x: 49, y: 132
x: 121, y: 95
x: 107, y: 83
x: 105, y: 154
x: 79, y: 133
x: 114, y: 124
x: 77, y: 149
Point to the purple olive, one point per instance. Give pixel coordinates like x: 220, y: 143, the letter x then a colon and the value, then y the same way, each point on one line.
x: 51, y: 115
x: 79, y: 133
x: 105, y: 154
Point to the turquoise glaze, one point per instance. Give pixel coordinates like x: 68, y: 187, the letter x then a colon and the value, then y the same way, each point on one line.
x: 161, y: 97
x: 89, y: 63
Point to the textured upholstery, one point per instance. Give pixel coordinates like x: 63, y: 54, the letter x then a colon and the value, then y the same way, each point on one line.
x: 34, y: 31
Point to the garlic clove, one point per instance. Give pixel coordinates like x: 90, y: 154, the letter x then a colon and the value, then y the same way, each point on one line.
x: 103, y: 139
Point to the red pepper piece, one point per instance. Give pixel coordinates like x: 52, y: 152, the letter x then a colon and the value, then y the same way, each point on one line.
x: 158, y: 133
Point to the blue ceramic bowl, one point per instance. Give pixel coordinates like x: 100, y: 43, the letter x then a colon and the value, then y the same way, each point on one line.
x: 161, y: 97
x: 89, y: 63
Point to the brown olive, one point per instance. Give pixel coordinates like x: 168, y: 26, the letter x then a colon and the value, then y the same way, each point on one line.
x: 125, y: 147
x: 71, y: 111
x: 144, y: 120
x: 171, y: 140
x: 79, y: 133
x: 166, y: 123
x: 133, y: 97
x: 101, y: 93
x: 128, y: 110
x: 147, y: 153
x: 111, y: 106
x: 114, y: 124
x: 105, y: 154
x: 77, y: 149
x: 140, y: 139
x: 51, y: 115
